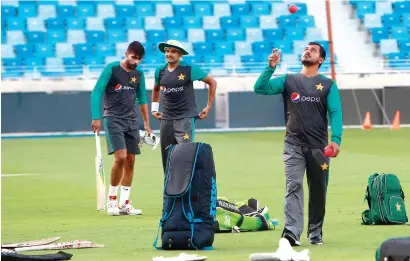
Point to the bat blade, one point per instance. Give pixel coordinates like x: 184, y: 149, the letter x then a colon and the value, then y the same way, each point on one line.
x: 100, y: 176
x: 44, y: 241
x: 76, y: 244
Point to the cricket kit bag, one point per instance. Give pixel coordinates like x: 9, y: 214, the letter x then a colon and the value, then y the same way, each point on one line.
x: 241, y: 216
x: 394, y: 249
x: 385, y: 198
x: 190, y: 194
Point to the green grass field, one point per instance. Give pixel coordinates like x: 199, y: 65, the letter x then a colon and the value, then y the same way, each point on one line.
x: 60, y: 199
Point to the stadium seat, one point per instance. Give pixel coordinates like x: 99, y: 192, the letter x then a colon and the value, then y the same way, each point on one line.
x: 388, y: 46
x: 399, y: 33
x: 90, y: 33
x: 372, y: 21
x: 365, y: 7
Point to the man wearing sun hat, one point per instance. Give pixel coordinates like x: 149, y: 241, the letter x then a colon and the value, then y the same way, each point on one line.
x: 175, y: 80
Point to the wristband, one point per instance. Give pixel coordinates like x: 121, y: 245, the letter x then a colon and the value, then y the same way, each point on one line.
x: 154, y: 106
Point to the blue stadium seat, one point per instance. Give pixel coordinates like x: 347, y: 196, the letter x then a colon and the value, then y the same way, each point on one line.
x: 240, y: 9
x: 15, y: 37
x: 36, y: 37
x: 254, y: 34
x: 76, y: 36
x: 15, y: 24
x: 113, y: 23
x: 124, y: 11
x: 177, y: 34
x: 56, y: 36
x: 164, y: 9
x: 302, y: 8
x: 221, y: 48
x: 229, y: 22
x: 105, y: 10
x: 7, y: 51
x: 64, y: 11
x: 104, y: 49
x: 213, y: 59
x: 183, y: 10
x: 144, y: 9
x: 203, y: 48
x: 64, y: 50
x: 45, y: 50
x: 401, y: 6
x: 35, y: 24
x: 155, y: 59
x: 136, y: 35
x: 47, y: 11
x: 94, y: 24
x: 388, y: 46
x: 260, y: 9
x: 75, y: 23
x: 33, y: 62
x: 82, y: 50
x: 294, y: 33
x: 243, y: 48
x: 390, y: 20
x: 54, y: 23
x: 172, y: 22
x: 85, y: 9
x: 221, y: 9
x: 153, y: 23
x: 134, y: 23
x: 27, y: 9
x: 399, y: 33
x: 192, y: 22
x: 267, y: 22
x: 202, y: 9
x: 365, y: 7
x: 379, y: 33
x: 251, y: 58
x: 262, y: 47
x: 285, y: 46
x: 248, y: 21
x: 214, y: 35
x: 286, y: 20
x: 95, y: 36
x: 8, y: 11
x: 396, y: 60
x: 196, y: 35
x: 372, y: 21
x: 406, y: 19
x: 24, y: 50
x: 156, y: 36
x: 404, y: 46
x: 383, y: 8
x: 116, y: 36
x: 306, y: 21
x: 279, y: 9
x: 273, y: 34
x: 191, y: 59
x: 235, y: 34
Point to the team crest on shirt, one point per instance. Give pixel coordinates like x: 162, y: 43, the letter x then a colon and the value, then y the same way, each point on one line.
x: 295, y: 97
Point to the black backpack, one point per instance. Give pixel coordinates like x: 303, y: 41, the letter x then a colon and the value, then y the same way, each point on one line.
x: 394, y: 249
x: 188, y: 215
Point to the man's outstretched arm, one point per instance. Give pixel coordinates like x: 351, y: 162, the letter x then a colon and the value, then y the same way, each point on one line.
x: 267, y: 86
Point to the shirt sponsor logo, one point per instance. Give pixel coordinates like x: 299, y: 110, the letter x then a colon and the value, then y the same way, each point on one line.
x: 296, y: 97
x: 169, y: 90
x: 120, y: 87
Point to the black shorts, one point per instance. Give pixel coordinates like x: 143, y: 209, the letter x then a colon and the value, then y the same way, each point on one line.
x: 122, y: 134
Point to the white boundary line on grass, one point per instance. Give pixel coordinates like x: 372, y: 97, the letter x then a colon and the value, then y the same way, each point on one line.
x: 16, y: 175
x: 222, y: 130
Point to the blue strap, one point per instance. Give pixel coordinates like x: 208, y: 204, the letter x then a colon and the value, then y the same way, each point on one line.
x: 156, y: 239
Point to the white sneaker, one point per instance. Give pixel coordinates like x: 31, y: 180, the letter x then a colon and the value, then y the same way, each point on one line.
x: 112, y: 207
x: 127, y: 209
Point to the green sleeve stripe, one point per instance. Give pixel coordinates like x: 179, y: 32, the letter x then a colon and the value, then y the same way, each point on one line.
x: 334, y: 107
x: 142, y: 91
x: 197, y: 73
x: 264, y: 85
x: 98, y: 91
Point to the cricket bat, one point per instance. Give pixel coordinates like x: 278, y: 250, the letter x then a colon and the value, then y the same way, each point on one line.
x: 40, y: 242
x: 100, y: 175
x: 76, y: 244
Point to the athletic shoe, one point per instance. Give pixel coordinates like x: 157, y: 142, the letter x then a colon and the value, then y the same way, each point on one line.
x: 112, y: 206
x: 316, y: 240
x: 292, y: 240
x: 127, y: 209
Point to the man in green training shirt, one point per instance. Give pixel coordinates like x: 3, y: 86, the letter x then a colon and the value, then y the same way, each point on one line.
x: 175, y: 80
x: 308, y: 97
x: 123, y: 86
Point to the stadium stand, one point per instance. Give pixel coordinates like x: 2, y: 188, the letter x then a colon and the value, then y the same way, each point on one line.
x: 388, y: 24
x: 72, y: 38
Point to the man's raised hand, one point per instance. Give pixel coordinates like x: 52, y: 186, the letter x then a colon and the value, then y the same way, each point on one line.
x: 274, y: 58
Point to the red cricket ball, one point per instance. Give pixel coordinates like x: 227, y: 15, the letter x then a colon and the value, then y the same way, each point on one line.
x: 293, y: 8
x: 329, y: 152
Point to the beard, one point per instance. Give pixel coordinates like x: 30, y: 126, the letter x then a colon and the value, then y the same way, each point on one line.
x: 132, y: 66
x: 310, y: 62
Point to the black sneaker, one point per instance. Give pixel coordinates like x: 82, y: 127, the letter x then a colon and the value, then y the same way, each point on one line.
x: 292, y: 240
x: 316, y: 240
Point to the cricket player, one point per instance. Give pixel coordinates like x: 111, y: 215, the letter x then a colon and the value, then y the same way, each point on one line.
x: 175, y: 80
x: 308, y: 97
x: 123, y: 86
